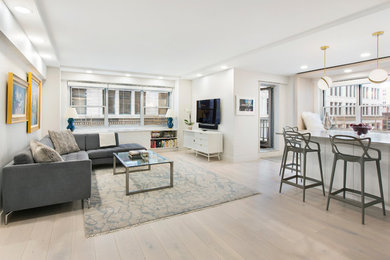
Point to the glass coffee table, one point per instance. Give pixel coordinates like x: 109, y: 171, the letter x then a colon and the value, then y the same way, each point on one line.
x: 138, y: 165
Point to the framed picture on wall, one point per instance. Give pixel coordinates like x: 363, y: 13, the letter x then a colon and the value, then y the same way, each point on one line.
x: 16, y: 99
x: 245, y: 106
x: 34, y: 103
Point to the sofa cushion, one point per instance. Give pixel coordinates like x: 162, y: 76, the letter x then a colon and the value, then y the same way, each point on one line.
x: 64, y: 141
x: 24, y: 157
x: 91, y: 141
x: 108, y: 152
x: 47, y: 141
x: 131, y: 146
x: 43, y: 153
x: 80, y: 140
x: 77, y: 156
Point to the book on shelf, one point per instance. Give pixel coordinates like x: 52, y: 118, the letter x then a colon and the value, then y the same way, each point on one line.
x: 163, y: 143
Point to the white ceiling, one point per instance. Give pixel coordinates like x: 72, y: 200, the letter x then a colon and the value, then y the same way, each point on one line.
x: 182, y: 38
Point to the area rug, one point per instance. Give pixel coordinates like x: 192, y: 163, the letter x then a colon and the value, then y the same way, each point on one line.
x: 194, y: 188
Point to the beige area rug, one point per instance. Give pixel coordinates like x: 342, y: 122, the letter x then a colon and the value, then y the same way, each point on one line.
x: 194, y: 188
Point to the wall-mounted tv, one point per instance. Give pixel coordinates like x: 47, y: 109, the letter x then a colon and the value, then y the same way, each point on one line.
x: 208, y: 112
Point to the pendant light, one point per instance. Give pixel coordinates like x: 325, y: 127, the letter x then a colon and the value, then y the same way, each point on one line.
x: 377, y: 75
x: 324, y: 82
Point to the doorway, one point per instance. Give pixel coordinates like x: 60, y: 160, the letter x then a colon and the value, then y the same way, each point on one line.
x: 266, y: 126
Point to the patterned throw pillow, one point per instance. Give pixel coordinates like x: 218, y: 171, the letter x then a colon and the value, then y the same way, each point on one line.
x: 64, y: 141
x: 43, y: 153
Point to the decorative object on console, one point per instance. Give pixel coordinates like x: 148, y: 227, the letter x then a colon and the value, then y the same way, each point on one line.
x: 16, y: 99
x: 170, y: 114
x: 324, y: 82
x: 378, y: 75
x: 328, y: 122
x: 33, y: 103
x: 64, y: 142
x: 71, y: 113
x: 245, y: 106
x: 361, y: 129
x: 188, y: 122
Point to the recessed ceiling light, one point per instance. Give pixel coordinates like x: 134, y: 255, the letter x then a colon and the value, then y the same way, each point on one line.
x: 199, y: 75
x: 347, y: 70
x: 160, y: 77
x: 365, y: 54
x: 88, y: 71
x: 127, y: 75
x: 224, y: 67
x: 303, y: 67
x: 22, y: 10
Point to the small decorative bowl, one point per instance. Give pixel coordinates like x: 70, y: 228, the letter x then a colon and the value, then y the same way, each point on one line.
x: 361, y: 129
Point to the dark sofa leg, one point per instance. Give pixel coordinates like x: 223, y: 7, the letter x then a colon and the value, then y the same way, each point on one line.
x: 5, y: 217
x: 89, y: 202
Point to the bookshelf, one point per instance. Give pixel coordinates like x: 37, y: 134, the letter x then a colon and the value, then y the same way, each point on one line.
x: 164, y: 139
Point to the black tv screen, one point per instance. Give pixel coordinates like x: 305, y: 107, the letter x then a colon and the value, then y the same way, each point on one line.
x: 208, y: 111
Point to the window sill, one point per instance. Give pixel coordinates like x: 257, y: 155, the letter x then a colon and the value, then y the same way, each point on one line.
x: 120, y: 129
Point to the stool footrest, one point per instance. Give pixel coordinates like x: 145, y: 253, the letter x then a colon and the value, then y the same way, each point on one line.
x: 352, y: 202
x: 307, y: 186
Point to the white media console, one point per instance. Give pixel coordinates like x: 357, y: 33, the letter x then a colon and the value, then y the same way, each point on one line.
x: 206, y: 143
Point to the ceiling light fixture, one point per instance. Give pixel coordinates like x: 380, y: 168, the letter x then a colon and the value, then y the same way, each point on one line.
x: 303, y: 67
x: 347, y: 70
x: 377, y: 75
x: 127, y: 75
x: 224, y: 67
x: 22, y: 10
x: 88, y: 71
x: 365, y: 54
x: 324, y: 82
x: 160, y: 77
x: 199, y: 75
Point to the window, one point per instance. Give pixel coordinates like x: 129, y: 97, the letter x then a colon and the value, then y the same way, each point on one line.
x: 123, y: 104
x: 365, y: 102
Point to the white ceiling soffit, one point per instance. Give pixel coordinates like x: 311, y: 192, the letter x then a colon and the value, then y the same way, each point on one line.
x: 183, y: 38
x: 11, y: 29
x: 35, y: 29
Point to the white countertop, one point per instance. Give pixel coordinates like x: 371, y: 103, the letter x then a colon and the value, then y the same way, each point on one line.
x: 376, y: 137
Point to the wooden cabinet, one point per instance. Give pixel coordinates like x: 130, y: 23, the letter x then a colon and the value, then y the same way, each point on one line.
x: 207, y: 143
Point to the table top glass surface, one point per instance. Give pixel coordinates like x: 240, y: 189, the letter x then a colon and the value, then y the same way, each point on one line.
x: 154, y: 158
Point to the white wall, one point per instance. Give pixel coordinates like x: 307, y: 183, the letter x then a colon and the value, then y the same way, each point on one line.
x: 13, y: 137
x: 306, y: 95
x: 241, y: 133
x: 51, y: 105
x: 218, y: 85
x: 183, y: 101
x: 246, y: 84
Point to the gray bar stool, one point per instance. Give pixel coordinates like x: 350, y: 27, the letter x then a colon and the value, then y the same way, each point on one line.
x: 365, y: 153
x: 291, y: 138
x: 296, y: 161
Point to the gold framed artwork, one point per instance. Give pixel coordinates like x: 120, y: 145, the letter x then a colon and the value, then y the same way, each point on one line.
x: 16, y: 99
x: 33, y: 103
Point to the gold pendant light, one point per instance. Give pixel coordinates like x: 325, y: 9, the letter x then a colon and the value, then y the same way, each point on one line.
x: 324, y: 82
x: 377, y: 75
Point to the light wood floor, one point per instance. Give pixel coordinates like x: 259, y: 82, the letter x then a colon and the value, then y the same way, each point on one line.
x: 266, y: 226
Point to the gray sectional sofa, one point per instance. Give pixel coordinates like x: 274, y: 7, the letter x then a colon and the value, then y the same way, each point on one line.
x: 27, y: 184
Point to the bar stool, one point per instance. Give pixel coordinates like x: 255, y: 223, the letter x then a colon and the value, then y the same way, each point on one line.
x: 306, y: 146
x: 296, y: 158
x: 362, y: 146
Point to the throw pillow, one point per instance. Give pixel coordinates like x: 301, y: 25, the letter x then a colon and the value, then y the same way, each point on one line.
x: 43, y: 153
x: 312, y: 121
x: 24, y: 157
x: 107, y: 139
x: 64, y: 141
